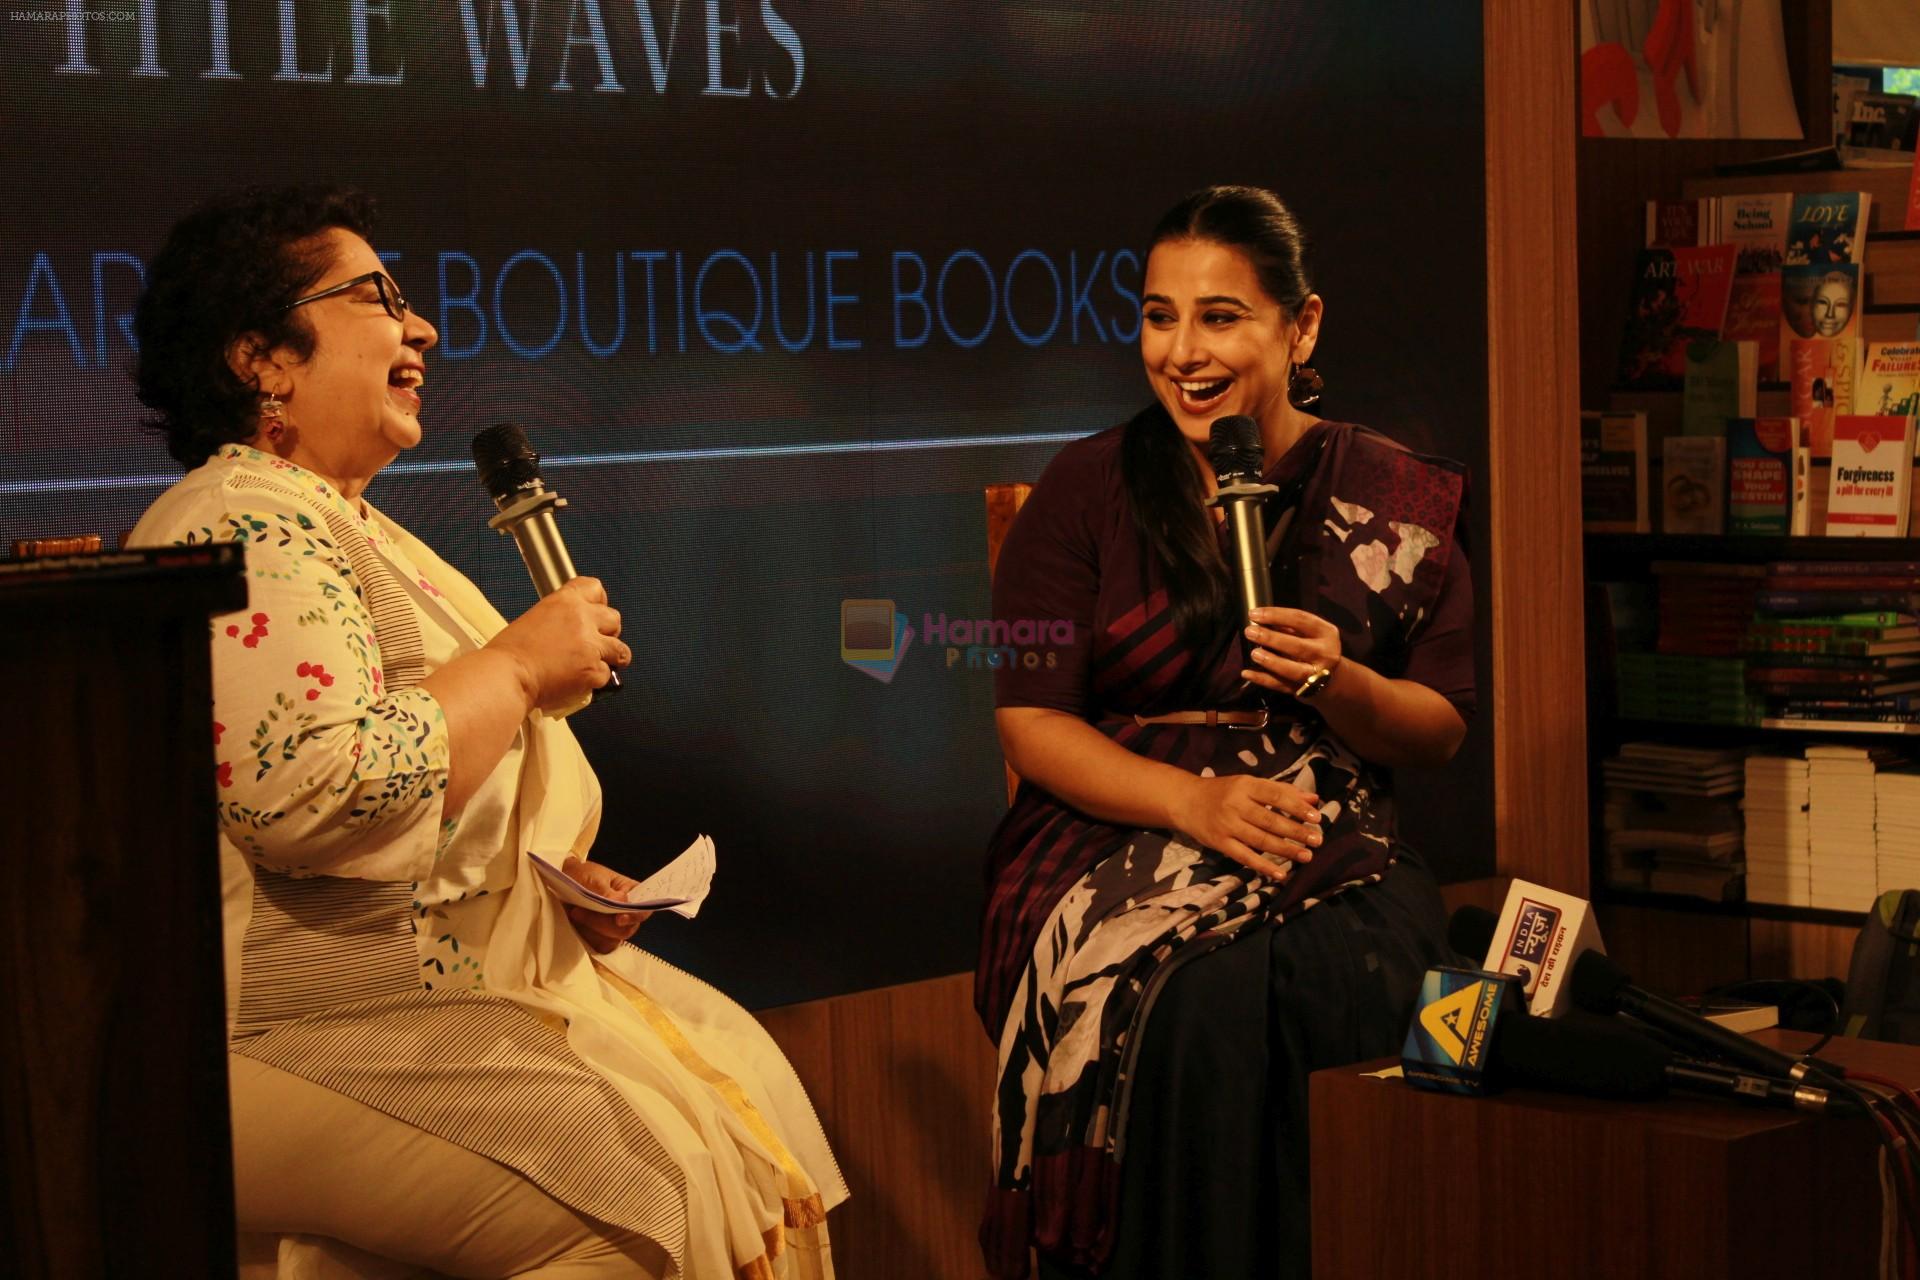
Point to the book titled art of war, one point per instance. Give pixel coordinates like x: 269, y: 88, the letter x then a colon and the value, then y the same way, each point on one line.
x: 1872, y: 473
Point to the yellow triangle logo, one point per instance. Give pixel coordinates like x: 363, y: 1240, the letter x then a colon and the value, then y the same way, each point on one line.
x: 1441, y: 1020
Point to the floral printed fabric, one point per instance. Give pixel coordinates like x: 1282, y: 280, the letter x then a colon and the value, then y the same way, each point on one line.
x: 314, y: 754
x: 322, y: 768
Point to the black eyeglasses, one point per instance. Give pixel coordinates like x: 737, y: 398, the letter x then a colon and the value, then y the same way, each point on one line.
x: 389, y: 294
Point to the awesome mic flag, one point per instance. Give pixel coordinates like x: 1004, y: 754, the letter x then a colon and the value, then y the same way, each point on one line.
x: 1450, y: 1042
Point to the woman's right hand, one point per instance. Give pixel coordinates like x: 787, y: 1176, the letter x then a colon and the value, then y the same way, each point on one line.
x: 1257, y: 822
x: 566, y: 646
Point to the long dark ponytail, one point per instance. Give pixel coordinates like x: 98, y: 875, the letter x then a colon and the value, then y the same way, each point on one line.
x: 1164, y: 484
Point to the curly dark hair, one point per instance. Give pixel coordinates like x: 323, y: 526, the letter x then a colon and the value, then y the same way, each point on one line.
x: 229, y: 269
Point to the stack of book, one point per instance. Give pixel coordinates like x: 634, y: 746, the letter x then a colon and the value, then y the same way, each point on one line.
x: 1705, y: 608
x: 1672, y: 817
x: 1897, y: 827
x: 1841, y: 836
x: 1661, y: 686
x: 1836, y: 645
x: 1778, y: 859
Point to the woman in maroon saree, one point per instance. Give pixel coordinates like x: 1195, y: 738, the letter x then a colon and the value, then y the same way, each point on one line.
x: 1194, y: 783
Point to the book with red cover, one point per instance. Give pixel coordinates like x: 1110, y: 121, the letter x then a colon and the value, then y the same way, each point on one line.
x: 1872, y: 473
x: 1679, y: 295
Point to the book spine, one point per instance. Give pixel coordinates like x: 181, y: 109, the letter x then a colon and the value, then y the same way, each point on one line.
x: 1799, y: 602
x: 1845, y: 569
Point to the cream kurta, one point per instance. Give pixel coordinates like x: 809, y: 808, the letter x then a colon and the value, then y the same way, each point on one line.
x: 417, y: 964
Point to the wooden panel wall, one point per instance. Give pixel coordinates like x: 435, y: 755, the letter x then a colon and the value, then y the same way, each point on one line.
x: 902, y: 1077
x: 1533, y: 485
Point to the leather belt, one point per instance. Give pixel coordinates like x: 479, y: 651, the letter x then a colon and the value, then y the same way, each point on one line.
x: 1211, y: 719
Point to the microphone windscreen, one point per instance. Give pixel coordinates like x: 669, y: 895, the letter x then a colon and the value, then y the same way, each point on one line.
x: 1470, y: 932
x: 1580, y: 1054
x: 1233, y: 447
x: 506, y: 460
x: 1596, y: 983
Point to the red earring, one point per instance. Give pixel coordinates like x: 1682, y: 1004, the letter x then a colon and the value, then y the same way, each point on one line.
x: 273, y: 416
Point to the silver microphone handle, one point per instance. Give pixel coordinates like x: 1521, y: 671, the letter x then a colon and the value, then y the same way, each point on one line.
x: 529, y: 518
x: 1248, y: 528
x: 538, y: 538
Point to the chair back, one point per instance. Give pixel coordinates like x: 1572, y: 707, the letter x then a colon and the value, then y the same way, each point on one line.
x: 1003, y: 504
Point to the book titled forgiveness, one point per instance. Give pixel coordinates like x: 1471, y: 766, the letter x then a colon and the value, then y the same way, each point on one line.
x: 1872, y: 473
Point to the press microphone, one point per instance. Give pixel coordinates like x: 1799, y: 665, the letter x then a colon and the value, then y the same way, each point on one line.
x: 1471, y: 1035
x: 1539, y: 935
x: 1600, y: 986
x: 510, y: 470
x: 1233, y: 447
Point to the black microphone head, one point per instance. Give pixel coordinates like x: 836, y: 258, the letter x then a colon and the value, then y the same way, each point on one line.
x: 507, y: 461
x: 1233, y: 447
x: 1597, y: 983
x: 1580, y: 1054
x: 1470, y: 932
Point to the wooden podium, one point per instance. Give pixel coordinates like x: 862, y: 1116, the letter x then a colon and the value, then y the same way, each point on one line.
x: 113, y: 1072
x: 1409, y: 1184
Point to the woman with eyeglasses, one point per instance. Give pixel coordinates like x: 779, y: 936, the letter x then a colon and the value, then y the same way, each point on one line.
x: 432, y: 1059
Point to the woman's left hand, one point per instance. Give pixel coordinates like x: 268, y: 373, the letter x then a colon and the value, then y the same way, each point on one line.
x: 1290, y: 647
x: 598, y: 930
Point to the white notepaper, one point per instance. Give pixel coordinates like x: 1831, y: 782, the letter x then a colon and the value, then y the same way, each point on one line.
x: 680, y: 887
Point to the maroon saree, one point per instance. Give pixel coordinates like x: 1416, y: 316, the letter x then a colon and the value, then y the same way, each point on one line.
x: 1076, y: 941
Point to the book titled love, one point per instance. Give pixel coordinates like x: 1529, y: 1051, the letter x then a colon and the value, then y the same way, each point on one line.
x: 1872, y: 473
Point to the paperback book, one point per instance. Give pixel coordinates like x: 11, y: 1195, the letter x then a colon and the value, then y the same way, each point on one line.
x: 1872, y: 473
x: 1680, y: 224
x: 1722, y: 382
x: 1890, y: 385
x: 1694, y: 485
x: 1679, y: 296
x: 1760, y: 475
x: 1756, y: 226
x: 1613, y: 472
x: 1827, y: 227
x: 1810, y: 391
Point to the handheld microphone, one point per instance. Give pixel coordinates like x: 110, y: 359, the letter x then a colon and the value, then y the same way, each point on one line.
x: 510, y: 470
x: 1599, y: 985
x: 1233, y: 447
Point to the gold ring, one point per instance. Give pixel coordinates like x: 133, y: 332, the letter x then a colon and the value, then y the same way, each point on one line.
x: 1310, y: 687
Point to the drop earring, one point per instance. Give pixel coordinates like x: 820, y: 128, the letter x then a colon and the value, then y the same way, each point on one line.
x: 273, y: 420
x: 1303, y: 386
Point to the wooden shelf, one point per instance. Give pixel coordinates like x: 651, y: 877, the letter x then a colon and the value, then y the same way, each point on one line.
x: 1609, y: 895
x: 1707, y: 733
x: 1611, y: 555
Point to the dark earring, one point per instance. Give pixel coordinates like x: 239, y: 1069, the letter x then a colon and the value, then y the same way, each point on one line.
x: 1303, y: 386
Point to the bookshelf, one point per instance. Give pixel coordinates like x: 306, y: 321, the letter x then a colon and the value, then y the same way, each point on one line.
x: 1632, y: 558
x: 1682, y: 942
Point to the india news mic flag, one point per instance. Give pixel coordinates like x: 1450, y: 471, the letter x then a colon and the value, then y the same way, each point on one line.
x: 1539, y: 935
x: 1450, y: 1041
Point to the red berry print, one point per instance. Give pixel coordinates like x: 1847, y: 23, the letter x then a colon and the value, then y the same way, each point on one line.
x: 218, y: 729
x: 252, y: 638
x: 314, y: 671
x: 224, y: 774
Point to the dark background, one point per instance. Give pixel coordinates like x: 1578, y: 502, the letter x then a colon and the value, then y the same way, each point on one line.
x: 732, y: 499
